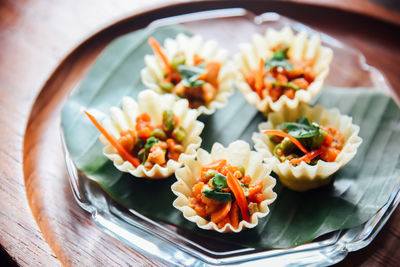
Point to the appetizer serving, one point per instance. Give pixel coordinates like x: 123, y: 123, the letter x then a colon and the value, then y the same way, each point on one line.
x: 227, y: 190
x: 281, y: 69
x: 304, y: 141
x: 307, y: 145
x: 190, y: 68
x: 296, y: 218
x: 146, y: 138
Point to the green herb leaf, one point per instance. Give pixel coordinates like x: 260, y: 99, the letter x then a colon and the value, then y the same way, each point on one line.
x: 189, y: 71
x: 280, y: 54
x: 301, y: 128
x: 219, y: 181
x: 223, y: 197
x: 273, y: 63
x: 193, y: 83
x: 190, y: 75
x: 304, y: 121
x: 279, y: 59
x: 150, y: 142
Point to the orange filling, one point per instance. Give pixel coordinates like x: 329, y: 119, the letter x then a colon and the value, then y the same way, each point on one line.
x: 197, y: 94
x: 245, y: 195
x: 203, y: 94
x: 147, y: 144
x: 332, y: 144
x: 329, y: 149
x: 278, y: 81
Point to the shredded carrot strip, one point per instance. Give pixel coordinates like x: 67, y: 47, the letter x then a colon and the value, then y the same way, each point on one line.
x: 220, y: 214
x: 292, y: 139
x: 234, y: 215
x: 259, y: 83
x: 158, y: 51
x: 237, y: 191
x: 307, y: 157
x: 121, y: 150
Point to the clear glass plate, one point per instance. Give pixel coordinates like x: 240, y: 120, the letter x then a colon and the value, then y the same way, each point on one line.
x: 176, y: 246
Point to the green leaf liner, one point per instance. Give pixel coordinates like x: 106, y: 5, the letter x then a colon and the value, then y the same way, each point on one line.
x: 359, y: 190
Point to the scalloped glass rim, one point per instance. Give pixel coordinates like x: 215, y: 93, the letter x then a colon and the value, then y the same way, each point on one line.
x: 166, y: 243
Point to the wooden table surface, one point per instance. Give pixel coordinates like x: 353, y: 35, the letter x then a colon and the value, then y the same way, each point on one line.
x: 35, y: 35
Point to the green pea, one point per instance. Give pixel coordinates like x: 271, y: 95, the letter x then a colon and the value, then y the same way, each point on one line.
x: 160, y: 134
x: 166, y: 86
x: 287, y: 145
x: 177, y: 60
x: 211, y: 173
x: 275, y: 139
x: 278, y: 152
x: 179, y: 134
x: 168, y: 120
x: 318, y: 138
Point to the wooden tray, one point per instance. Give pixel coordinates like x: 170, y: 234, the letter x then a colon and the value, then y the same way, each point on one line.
x: 67, y: 229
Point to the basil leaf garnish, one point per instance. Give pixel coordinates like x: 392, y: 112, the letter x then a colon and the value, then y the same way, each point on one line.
x: 273, y: 63
x: 280, y: 54
x: 193, y: 83
x: 223, y: 197
x: 219, y: 181
x: 190, y: 75
x: 150, y: 142
x: 279, y: 59
x: 188, y: 71
x: 301, y: 128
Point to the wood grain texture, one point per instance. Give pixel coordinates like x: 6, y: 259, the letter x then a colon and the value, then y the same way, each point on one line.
x: 34, y: 37
x: 365, y: 7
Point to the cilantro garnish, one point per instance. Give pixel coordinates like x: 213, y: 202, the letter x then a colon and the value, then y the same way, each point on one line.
x: 279, y: 59
x: 190, y: 75
x: 301, y: 128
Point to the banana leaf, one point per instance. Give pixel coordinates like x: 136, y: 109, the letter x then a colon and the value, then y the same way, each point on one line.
x: 358, y: 191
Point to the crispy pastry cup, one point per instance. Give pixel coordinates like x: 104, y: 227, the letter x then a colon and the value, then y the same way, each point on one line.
x: 154, y: 104
x: 154, y: 71
x: 303, y: 177
x: 301, y: 46
x: 237, y: 153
